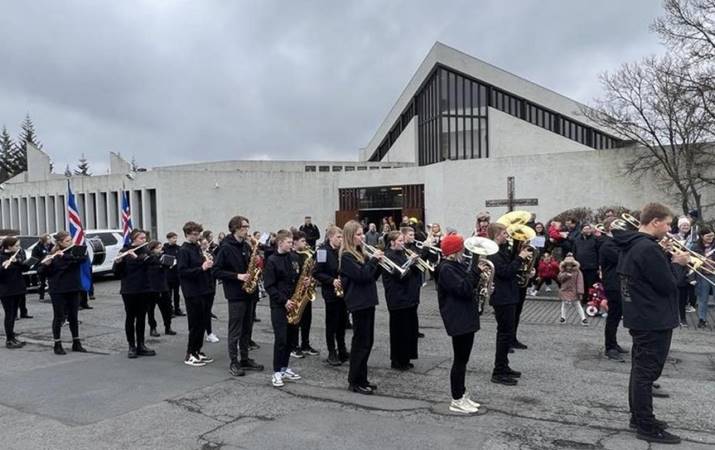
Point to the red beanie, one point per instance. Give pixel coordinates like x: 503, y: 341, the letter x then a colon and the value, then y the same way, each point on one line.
x: 451, y: 244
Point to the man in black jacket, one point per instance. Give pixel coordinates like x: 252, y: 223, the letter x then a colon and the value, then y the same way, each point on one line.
x: 306, y: 319
x: 171, y: 248
x: 585, y: 250
x: 312, y: 233
x: 650, y: 312
x: 326, y: 272
x: 231, y: 266
x: 504, y: 300
x: 608, y: 256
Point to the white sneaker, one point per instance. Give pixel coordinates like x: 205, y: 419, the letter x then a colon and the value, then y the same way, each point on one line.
x: 689, y: 309
x: 462, y: 406
x: 194, y: 361
x: 584, y: 322
x: 470, y: 401
x: 204, y: 358
x: 277, y: 380
x: 533, y: 292
x: 289, y: 375
x: 212, y: 338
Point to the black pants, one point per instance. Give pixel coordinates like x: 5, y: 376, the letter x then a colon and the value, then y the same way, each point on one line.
x: 9, y: 305
x: 255, y: 304
x: 281, y: 351
x: 461, y: 349
x: 692, y: 298
x: 65, y: 305
x: 135, y: 307
x: 683, y: 299
x: 336, y: 319
x: 615, y: 313
x: 240, y: 325
x: 209, y: 304
x: 590, y: 276
x: 303, y: 328
x: 41, y: 280
x: 195, y: 311
x: 163, y: 300
x: 506, y: 317
x: 174, y: 289
x: 22, y: 306
x: 648, y: 356
x: 403, y: 335
x: 519, y: 308
x: 363, y: 337
x: 547, y: 281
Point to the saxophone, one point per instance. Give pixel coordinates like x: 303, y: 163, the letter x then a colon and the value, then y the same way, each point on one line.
x: 254, y: 272
x: 303, y: 294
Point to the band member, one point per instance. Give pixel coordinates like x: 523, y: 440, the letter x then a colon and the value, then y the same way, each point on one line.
x: 480, y: 228
x: 608, y: 256
x: 206, y: 246
x: 326, y: 272
x: 231, y: 267
x: 459, y: 311
x: 171, y: 248
x: 12, y: 286
x: 63, y: 274
x: 504, y: 300
x: 401, y: 295
x: 195, y: 279
x: 312, y: 233
x: 159, y: 290
x: 650, y: 312
x: 303, y: 328
x: 280, y: 278
x: 359, y: 274
x: 39, y: 251
x: 131, y: 266
x: 704, y: 245
x: 409, y: 236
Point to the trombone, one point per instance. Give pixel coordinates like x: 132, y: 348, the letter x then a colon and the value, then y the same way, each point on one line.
x: 386, y: 263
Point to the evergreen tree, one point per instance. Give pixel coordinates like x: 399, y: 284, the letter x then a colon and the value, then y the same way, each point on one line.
x: 82, y: 167
x: 7, y: 149
x: 27, y: 135
x: 68, y: 172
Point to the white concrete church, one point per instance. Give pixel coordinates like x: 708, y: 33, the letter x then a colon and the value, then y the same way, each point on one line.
x: 458, y: 131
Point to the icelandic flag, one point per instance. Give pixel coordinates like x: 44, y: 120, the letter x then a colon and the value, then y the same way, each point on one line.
x: 126, y: 219
x: 77, y: 235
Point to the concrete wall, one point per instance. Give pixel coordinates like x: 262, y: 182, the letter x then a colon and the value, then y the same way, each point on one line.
x: 405, y: 148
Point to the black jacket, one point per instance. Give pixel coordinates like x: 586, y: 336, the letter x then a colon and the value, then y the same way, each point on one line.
x: 585, y: 250
x: 312, y: 233
x: 608, y: 256
x: 11, y: 279
x: 359, y: 282
x: 63, y: 274
x: 157, y: 275
x: 280, y: 277
x: 326, y: 272
x: 506, y: 268
x: 194, y: 280
x: 39, y: 251
x: 457, y: 307
x: 648, y: 286
x: 401, y: 291
x: 172, y: 275
x: 133, y: 272
x: 232, y: 259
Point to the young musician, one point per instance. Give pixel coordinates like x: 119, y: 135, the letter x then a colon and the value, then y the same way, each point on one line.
x: 460, y: 314
x: 650, y: 312
x: 299, y: 351
x: 408, y: 234
x: 401, y: 295
x: 12, y: 286
x: 158, y: 289
x: 205, y: 245
x: 280, y: 277
x: 504, y: 300
x: 62, y: 270
x: 39, y: 251
x: 131, y: 267
x: 231, y: 267
x: 705, y: 246
x: 171, y: 248
x: 326, y: 272
x: 195, y: 279
x: 608, y: 257
x: 359, y: 274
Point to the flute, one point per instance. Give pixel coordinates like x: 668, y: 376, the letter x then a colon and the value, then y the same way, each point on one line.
x: 58, y: 252
x: 11, y: 259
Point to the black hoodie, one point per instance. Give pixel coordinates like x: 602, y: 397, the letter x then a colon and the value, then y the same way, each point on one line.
x: 648, y: 286
x: 280, y: 277
x: 133, y: 271
x: 608, y: 257
x: 401, y: 291
x: 11, y: 279
x: 232, y: 259
x: 195, y: 281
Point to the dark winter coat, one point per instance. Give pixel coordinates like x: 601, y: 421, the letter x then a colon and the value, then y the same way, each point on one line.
x: 133, y: 272
x: 401, y: 291
x: 608, y: 257
x: 280, y: 277
x: 455, y: 287
x: 506, y: 268
x: 232, y: 259
x: 11, y: 280
x: 172, y: 274
x: 312, y: 233
x: 359, y: 282
x: 585, y: 250
x: 157, y: 275
x: 194, y: 280
x: 326, y: 272
x: 63, y: 273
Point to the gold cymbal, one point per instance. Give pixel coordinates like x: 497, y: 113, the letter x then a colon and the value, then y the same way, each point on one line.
x: 514, y: 218
x: 520, y: 232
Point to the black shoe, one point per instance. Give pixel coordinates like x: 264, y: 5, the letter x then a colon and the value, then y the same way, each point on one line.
x: 142, y: 350
x: 253, y: 346
x: 58, y: 349
x: 169, y: 332
x: 21, y: 343
x: 371, y: 386
x: 333, y: 359
x: 12, y: 344
x: 178, y: 312
x: 132, y: 353
x: 91, y: 297
x: 236, y: 370
x: 518, y: 345
x: 620, y: 349
x: 420, y: 335
x: 702, y: 324
x: 213, y: 316
x: 662, y: 424
x: 504, y: 379
x: 361, y: 390
x: 614, y: 355
x: 154, y: 333
x: 308, y: 350
x: 250, y: 364
x: 344, y: 356
x: 512, y: 373
x: 511, y: 349
x: 256, y: 319
x: 659, y: 392
x: 86, y: 307
x: 657, y: 435
x: 399, y: 366
x: 77, y: 346
x: 26, y: 316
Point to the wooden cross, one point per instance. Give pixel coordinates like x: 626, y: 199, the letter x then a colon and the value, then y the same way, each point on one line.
x: 510, y: 202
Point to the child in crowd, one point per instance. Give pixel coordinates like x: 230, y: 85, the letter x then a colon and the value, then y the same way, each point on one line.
x: 571, y: 289
x: 547, y: 271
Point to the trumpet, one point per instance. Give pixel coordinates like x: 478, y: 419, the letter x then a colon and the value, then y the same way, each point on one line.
x: 386, y: 263
x: 49, y: 258
x: 130, y: 251
x: 11, y: 259
x: 421, y: 263
x: 432, y: 248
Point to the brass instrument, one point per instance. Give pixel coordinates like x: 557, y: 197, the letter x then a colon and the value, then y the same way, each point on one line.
x: 432, y: 248
x: 482, y: 247
x: 520, y: 234
x: 303, y: 294
x: 122, y: 255
x: 253, y: 271
x: 424, y: 266
x: 386, y: 263
x: 339, y: 292
x: 11, y: 259
x: 49, y: 258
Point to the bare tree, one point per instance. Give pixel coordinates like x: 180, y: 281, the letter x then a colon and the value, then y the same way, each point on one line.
x: 688, y: 26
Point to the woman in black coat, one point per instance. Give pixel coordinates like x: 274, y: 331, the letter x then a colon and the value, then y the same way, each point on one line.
x: 157, y: 275
x: 12, y: 286
x: 359, y: 274
x: 62, y: 270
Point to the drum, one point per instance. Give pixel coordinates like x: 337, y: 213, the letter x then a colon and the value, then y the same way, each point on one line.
x: 96, y: 251
x: 167, y: 261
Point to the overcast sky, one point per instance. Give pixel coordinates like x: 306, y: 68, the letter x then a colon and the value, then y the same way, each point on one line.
x: 179, y: 81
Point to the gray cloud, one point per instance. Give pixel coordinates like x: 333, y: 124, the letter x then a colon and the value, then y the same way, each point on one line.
x: 179, y: 81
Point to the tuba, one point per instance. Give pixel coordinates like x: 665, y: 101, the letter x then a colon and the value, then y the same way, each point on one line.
x: 520, y: 234
x: 303, y: 294
x: 479, y: 248
x: 253, y: 271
